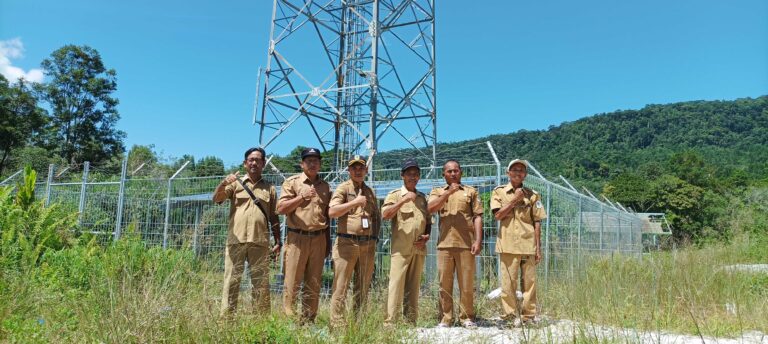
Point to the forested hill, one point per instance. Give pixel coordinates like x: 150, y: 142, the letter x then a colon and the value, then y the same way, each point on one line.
x: 729, y: 134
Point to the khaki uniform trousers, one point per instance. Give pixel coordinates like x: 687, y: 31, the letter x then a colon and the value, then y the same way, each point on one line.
x: 351, y: 257
x: 235, y: 256
x: 303, y: 262
x: 404, y: 281
x: 461, y: 262
x: 510, y: 265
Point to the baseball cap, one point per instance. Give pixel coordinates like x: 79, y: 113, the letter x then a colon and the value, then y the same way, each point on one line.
x: 521, y: 161
x: 307, y: 152
x: 356, y: 159
x: 408, y: 163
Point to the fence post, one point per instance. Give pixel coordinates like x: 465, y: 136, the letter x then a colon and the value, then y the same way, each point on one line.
x: 498, y: 183
x: 48, y: 182
x: 618, y: 231
x: 194, y: 235
x: 168, y: 204
x: 121, y: 199
x: 578, y: 235
x: 546, y: 237
x: 81, y: 206
x: 602, y: 226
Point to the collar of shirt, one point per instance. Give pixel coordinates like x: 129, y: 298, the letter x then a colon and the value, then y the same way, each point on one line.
x: 305, y: 179
x: 461, y: 186
x: 247, y: 179
x: 404, y: 191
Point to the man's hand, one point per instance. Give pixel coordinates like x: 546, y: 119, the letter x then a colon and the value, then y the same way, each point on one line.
x: 275, y: 252
x: 475, y: 250
x: 453, y: 188
x: 308, y: 192
x: 422, y: 241
x: 410, y: 196
x: 359, y: 201
x: 538, y: 255
x: 231, y: 178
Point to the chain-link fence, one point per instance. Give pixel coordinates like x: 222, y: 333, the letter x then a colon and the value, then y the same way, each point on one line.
x: 179, y: 212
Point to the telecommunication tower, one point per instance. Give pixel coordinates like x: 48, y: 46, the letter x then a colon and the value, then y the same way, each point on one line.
x: 350, y: 76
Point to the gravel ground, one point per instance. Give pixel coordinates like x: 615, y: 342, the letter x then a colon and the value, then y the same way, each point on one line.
x: 566, y: 331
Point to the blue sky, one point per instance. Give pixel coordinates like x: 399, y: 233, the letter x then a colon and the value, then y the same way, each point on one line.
x: 187, y: 69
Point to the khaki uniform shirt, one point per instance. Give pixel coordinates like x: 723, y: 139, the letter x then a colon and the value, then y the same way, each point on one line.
x: 352, y: 222
x: 457, y: 215
x: 247, y: 223
x: 516, y: 234
x: 312, y: 214
x: 410, y: 222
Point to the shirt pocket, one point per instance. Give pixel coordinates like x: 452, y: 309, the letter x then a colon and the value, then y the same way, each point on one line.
x: 241, y: 197
x: 406, y: 213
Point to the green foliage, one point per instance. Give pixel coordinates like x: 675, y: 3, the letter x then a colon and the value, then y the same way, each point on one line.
x: 29, y: 229
x: 209, y: 166
x: 21, y: 118
x: 84, y: 113
x: 25, y: 193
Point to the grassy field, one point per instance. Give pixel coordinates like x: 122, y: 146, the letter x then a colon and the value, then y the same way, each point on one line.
x: 685, y: 291
x: 128, y: 293
x: 57, y: 285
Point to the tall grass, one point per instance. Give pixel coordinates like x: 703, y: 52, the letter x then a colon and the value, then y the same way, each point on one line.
x: 58, y: 286
x: 686, y: 291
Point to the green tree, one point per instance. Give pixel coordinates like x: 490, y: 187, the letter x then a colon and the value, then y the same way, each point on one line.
x: 209, y: 166
x: 84, y: 113
x: 142, y: 160
x: 20, y: 118
x: 630, y: 189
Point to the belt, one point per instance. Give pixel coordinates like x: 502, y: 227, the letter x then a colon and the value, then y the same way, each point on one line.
x: 357, y: 237
x: 307, y: 233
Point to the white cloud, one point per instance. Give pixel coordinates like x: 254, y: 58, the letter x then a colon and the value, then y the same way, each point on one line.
x: 14, y: 49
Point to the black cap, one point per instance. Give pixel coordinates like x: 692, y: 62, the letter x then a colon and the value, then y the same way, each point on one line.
x: 307, y: 152
x: 408, y: 163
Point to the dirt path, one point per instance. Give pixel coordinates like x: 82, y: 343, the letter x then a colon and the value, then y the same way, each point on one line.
x: 566, y: 331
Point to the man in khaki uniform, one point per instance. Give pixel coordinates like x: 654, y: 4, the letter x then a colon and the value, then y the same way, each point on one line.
x: 355, y: 206
x: 304, y: 202
x: 251, y: 214
x: 519, y: 241
x: 461, y: 232
x: 411, y: 226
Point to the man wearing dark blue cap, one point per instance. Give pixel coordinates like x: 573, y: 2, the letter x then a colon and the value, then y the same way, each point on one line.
x: 411, y: 226
x: 304, y: 200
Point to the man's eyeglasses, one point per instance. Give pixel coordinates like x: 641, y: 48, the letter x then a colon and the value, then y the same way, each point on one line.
x: 517, y: 170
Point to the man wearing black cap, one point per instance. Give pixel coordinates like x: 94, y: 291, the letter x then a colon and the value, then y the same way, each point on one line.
x: 354, y: 205
x: 304, y: 201
x: 411, y: 226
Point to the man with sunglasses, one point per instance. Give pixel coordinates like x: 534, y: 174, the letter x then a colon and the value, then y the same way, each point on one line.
x: 251, y: 214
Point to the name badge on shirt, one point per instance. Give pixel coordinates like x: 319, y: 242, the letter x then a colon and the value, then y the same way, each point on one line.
x: 365, y: 222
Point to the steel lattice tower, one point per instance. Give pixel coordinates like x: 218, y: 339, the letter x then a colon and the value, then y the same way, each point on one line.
x: 352, y: 75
